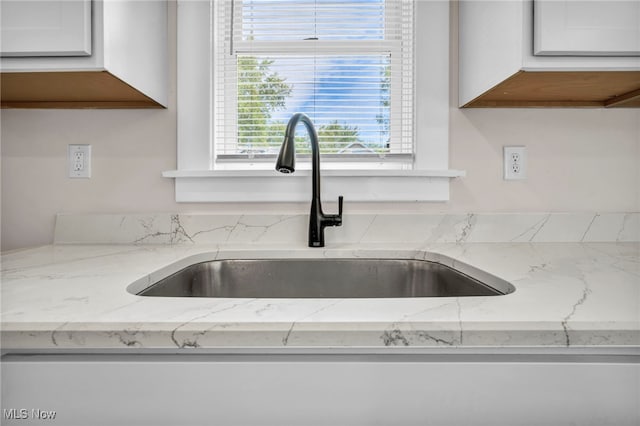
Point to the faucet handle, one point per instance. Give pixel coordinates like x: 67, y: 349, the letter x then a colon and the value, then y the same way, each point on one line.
x: 333, y: 219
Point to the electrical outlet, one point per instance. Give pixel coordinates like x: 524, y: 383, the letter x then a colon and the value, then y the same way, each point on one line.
x: 79, y: 159
x: 515, y: 162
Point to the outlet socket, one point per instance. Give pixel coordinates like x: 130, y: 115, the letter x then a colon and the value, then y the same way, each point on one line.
x: 515, y: 162
x: 79, y: 161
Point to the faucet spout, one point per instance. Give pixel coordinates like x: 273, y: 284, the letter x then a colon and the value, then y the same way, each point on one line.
x: 285, y: 163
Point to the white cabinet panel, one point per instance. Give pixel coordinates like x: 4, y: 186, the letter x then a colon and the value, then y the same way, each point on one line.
x: 120, y: 60
x: 587, y: 53
x: 321, y: 391
x: 45, y: 28
x: 587, y: 27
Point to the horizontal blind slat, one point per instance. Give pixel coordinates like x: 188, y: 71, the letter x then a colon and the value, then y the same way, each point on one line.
x: 355, y: 81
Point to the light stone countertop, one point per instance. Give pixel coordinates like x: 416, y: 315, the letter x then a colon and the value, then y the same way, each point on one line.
x: 74, y: 297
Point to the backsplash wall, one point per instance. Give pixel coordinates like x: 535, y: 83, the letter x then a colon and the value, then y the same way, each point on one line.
x: 579, y: 160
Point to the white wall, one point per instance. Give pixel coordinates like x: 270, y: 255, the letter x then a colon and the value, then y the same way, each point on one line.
x: 579, y: 160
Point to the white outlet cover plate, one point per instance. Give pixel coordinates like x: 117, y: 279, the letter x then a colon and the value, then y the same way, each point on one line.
x: 515, y: 162
x: 83, y: 169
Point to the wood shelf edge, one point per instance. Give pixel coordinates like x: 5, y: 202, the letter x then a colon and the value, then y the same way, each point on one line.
x: 563, y: 89
x: 69, y: 90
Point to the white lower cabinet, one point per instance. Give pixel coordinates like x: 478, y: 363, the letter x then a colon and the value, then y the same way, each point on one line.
x: 320, y: 390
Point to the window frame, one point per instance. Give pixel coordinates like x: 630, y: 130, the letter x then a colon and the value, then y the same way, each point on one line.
x: 232, y: 45
x: 197, y: 180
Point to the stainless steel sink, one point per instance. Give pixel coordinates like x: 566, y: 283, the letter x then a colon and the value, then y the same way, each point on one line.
x: 325, y: 278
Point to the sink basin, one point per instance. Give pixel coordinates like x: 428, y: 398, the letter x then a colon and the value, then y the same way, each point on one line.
x: 325, y: 278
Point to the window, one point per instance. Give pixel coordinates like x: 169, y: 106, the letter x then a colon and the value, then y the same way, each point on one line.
x: 386, y: 141
x: 346, y: 64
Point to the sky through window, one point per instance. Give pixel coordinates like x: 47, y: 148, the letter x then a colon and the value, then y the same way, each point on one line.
x: 346, y: 95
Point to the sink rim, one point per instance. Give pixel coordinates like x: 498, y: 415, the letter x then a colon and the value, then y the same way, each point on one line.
x: 489, y: 280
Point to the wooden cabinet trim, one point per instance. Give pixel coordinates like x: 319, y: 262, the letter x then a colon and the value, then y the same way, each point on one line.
x: 77, y: 89
x: 564, y: 89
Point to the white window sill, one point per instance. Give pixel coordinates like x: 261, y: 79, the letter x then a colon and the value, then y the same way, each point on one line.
x: 271, y: 186
x: 307, y: 172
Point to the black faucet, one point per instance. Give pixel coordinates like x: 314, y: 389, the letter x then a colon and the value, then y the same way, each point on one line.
x: 286, y: 164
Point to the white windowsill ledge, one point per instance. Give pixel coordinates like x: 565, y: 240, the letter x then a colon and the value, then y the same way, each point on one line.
x: 193, y: 186
x: 307, y: 172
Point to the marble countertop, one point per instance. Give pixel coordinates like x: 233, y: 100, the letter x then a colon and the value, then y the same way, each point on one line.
x: 74, y: 297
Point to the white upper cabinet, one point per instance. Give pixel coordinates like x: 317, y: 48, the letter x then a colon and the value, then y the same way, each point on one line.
x: 84, y: 54
x: 549, y: 53
x: 45, y: 28
x: 587, y: 28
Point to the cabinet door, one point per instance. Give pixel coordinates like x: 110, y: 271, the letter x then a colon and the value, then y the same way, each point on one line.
x: 317, y: 390
x: 45, y: 28
x: 587, y: 27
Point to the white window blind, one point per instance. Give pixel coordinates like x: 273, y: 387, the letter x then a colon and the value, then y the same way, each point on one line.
x: 346, y: 64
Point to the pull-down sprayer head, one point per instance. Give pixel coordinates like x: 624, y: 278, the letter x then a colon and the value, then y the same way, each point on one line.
x: 286, y: 162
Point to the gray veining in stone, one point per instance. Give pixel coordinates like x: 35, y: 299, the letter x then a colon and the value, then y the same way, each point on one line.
x: 72, y: 295
x: 410, y: 228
